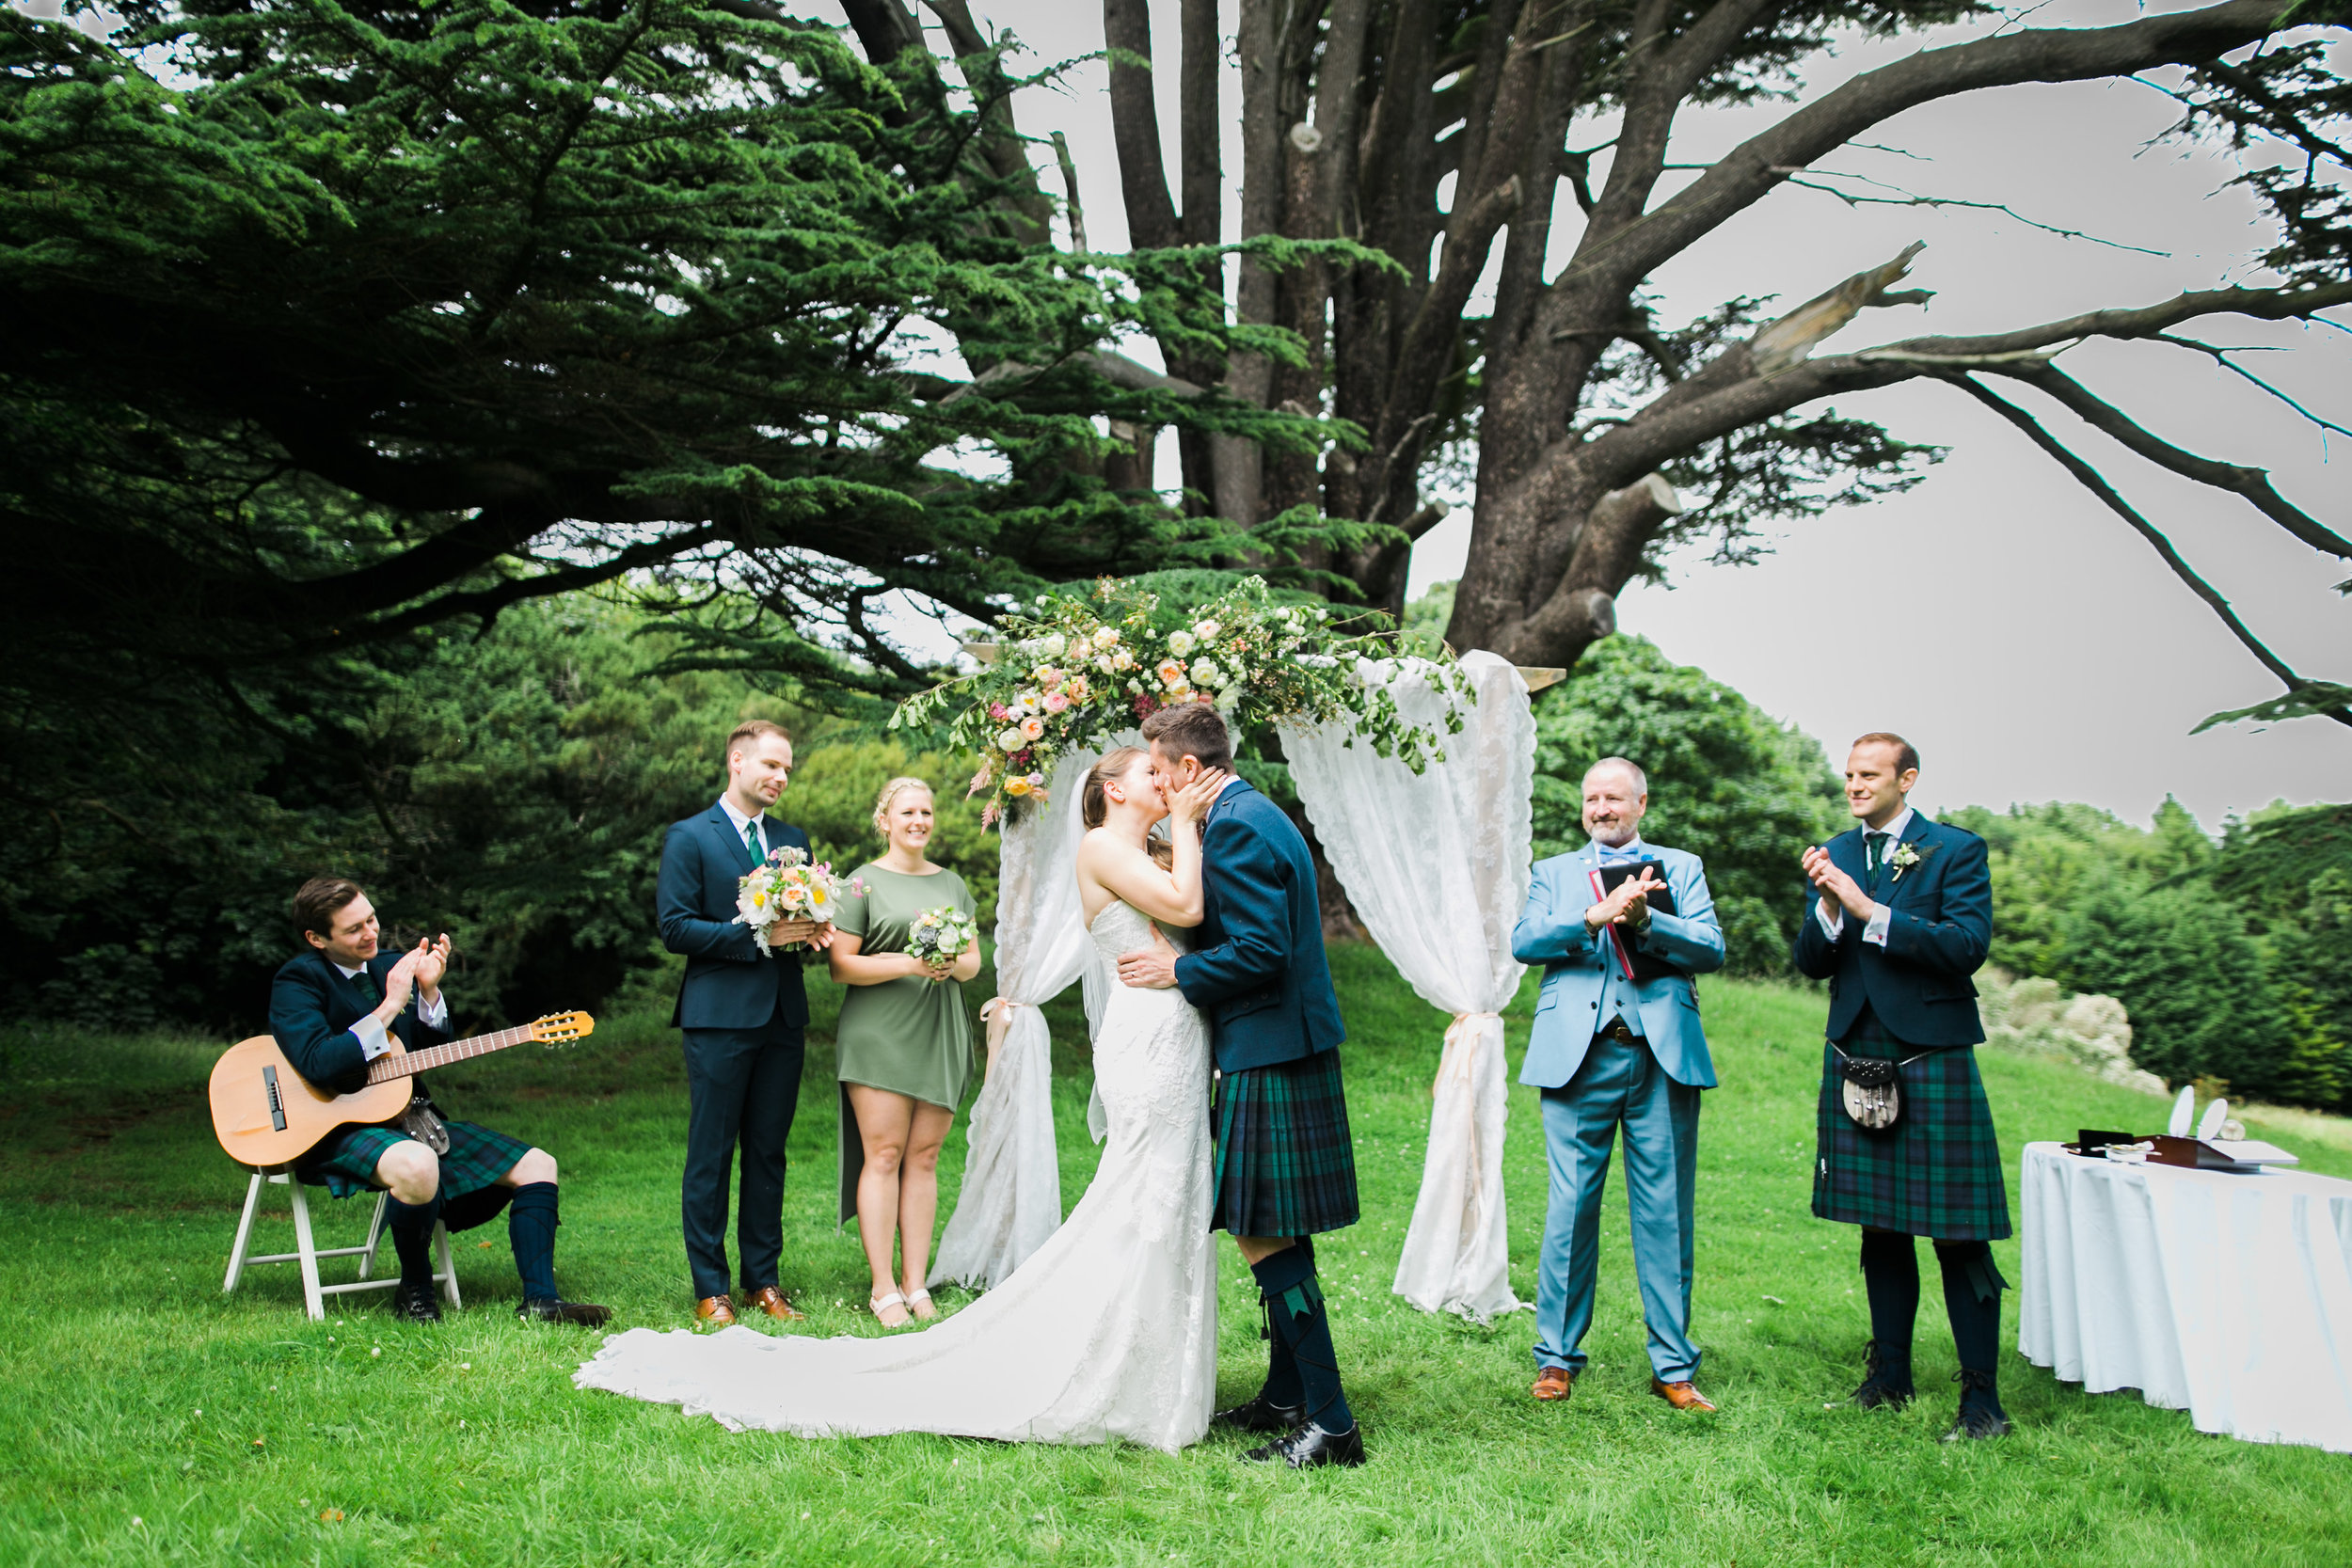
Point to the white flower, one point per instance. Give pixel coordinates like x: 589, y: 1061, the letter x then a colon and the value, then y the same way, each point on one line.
x: 1180, y: 644
x: 1318, y: 662
x: 1205, y: 672
x: 1106, y: 637
x: 1205, y: 631
x: 1009, y: 740
x: 1054, y: 646
x: 1045, y: 601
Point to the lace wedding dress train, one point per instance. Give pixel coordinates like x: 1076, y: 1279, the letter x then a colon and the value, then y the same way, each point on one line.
x: 1108, y: 1330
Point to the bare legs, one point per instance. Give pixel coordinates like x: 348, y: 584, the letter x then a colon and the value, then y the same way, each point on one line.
x: 897, y: 1188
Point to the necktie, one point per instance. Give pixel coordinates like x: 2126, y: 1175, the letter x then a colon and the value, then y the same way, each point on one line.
x: 366, y: 982
x: 751, y: 841
x: 1875, y: 848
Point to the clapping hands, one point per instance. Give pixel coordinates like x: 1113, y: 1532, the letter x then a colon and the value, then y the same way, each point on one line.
x: 1627, y: 903
x: 1835, y: 886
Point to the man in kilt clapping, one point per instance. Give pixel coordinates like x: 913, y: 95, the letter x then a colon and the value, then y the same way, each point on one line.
x: 1285, y: 1166
x: 1899, y: 916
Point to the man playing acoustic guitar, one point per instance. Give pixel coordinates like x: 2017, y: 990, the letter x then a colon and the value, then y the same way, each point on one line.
x: 338, y: 1007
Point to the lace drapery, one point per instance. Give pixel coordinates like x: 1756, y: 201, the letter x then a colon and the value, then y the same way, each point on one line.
x: 1437, y: 864
x: 1010, y: 1200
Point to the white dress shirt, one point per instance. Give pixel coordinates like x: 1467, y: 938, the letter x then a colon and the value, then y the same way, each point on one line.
x: 374, y: 1038
x: 758, y: 824
x: 1832, y: 914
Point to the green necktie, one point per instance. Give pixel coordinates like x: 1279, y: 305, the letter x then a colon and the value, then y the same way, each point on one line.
x: 751, y: 840
x: 1875, y: 851
x: 366, y: 982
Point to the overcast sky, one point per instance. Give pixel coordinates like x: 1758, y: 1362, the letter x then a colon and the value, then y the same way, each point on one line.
x: 2029, y: 644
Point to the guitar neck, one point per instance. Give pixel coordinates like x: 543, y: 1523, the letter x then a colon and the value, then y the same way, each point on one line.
x: 397, y: 1065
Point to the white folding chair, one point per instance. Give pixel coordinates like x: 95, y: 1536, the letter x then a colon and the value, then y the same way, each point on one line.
x: 307, y: 1254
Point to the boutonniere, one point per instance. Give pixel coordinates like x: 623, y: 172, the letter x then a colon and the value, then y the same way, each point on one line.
x: 1907, y: 855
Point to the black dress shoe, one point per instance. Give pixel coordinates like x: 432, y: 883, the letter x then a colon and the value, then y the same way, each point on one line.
x: 1312, y: 1446
x: 1980, y: 1412
x: 1880, y: 1389
x: 550, y: 1310
x: 417, y: 1303
x: 1261, y: 1415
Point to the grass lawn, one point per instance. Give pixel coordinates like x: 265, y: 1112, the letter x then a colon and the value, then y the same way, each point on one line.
x: 157, y: 1420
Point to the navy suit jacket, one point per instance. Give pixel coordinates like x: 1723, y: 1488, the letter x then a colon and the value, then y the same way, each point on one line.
x: 729, y: 984
x: 311, y: 1009
x: 1257, y: 968
x: 1940, y: 923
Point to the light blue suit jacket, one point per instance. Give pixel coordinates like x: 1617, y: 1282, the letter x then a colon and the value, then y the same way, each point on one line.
x: 1582, y: 977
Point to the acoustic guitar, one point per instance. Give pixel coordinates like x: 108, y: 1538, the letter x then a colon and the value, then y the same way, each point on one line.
x: 264, y: 1113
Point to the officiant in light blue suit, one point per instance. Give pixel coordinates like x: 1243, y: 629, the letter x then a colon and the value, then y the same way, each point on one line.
x: 1605, y: 1051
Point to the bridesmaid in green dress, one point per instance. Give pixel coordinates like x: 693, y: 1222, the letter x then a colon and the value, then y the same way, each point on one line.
x: 905, y: 1051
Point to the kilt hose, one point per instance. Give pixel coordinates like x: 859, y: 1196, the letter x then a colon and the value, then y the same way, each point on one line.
x: 1285, y: 1162
x: 477, y: 1156
x: 1937, y: 1171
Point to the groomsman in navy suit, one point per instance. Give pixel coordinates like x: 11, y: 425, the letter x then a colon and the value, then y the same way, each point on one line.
x: 1898, y: 916
x: 743, y: 1013
x: 1607, y: 1049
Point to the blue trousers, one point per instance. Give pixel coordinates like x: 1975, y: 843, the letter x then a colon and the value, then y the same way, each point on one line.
x: 1619, y: 1082
x: 742, y: 1086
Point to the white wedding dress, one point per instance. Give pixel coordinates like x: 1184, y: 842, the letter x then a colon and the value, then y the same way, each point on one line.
x: 1108, y: 1330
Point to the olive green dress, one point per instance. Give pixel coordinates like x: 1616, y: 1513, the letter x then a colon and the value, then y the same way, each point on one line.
x: 911, y: 1037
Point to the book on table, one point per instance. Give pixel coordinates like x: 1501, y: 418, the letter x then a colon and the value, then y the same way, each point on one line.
x: 1633, y: 965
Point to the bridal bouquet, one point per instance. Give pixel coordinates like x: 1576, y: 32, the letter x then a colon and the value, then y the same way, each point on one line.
x: 942, y: 935
x: 787, y: 887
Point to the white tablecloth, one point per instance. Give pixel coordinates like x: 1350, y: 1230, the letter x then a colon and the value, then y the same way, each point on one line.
x: 2226, y: 1296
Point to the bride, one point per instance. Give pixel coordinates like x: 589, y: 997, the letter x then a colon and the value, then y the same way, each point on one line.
x: 1109, y: 1329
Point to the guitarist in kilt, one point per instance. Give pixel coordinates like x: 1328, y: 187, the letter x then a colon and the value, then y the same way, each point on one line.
x: 1285, y: 1165
x: 338, y: 1007
x: 1900, y: 915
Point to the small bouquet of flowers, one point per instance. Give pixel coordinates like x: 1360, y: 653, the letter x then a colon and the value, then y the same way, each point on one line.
x: 942, y: 935
x: 787, y: 887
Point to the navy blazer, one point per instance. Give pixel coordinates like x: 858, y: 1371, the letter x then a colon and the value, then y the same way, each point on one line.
x: 1257, y: 966
x: 1940, y: 924
x: 729, y: 984
x: 311, y: 1009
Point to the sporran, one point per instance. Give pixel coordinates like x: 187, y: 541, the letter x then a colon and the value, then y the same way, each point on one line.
x: 1871, y: 1091
x: 422, y: 1123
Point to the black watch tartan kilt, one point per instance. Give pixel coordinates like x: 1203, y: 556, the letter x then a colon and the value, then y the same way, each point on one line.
x: 1937, y: 1171
x: 477, y: 1156
x: 1285, y: 1162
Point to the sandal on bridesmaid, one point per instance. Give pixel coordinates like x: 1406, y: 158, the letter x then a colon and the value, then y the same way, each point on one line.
x: 882, y: 1310
x: 919, y: 1303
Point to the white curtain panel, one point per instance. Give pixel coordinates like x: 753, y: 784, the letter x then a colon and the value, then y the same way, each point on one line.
x: 1437, y: 863
x: 1010, y: 1200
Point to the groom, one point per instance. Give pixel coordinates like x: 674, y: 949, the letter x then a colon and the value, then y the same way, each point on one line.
x: 1285, y: 1165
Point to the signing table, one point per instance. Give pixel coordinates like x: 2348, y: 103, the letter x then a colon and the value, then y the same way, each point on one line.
x: 2227, y: 1295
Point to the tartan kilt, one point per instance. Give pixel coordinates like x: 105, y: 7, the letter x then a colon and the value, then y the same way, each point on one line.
x: 1936, y: 1172
x: 1285, y: 1162
x: 346, y: 1162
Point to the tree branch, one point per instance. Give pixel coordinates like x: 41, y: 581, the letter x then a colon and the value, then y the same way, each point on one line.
x: 2089, y: 478
x: 1751, y: 170
x: 2253, y: 483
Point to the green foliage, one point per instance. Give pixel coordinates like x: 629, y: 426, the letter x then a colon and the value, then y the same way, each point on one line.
x: 512, y: 790
x: 2233, y: 959
x: 330, y: 319
x: 1726, y: 782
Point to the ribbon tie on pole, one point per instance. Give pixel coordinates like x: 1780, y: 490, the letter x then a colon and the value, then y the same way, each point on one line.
x: 1455, y: 1061
x: 997, y: 1016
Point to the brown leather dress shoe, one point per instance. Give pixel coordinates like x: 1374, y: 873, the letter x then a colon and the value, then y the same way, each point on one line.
x: 1682, y: 1396
x: 713, y: 1311
x: 1554, y: 1383
x: 770, y: 1300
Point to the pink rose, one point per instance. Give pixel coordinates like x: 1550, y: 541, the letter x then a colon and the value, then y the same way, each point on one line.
x: 1033, y: 727
x: 1055, y: 702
